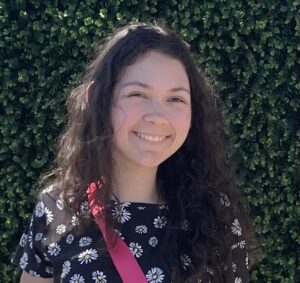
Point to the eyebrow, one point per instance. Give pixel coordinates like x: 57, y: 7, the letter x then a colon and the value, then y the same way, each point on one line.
x: 143, y: 85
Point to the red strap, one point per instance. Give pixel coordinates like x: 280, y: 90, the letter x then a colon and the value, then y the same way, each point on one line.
x: 124, y: 261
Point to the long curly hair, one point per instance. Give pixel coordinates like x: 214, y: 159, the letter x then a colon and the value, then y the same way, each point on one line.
x: 191, y: 181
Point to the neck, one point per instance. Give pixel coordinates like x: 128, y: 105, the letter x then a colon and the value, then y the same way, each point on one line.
x: 136, y: 185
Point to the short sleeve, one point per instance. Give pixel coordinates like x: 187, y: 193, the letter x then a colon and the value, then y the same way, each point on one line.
x: 30, y: 254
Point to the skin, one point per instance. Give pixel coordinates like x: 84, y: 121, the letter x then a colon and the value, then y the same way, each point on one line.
x: 152, y: 97
x: 27, y: 278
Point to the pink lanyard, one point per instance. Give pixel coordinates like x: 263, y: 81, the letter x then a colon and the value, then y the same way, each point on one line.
x: 126, y: 264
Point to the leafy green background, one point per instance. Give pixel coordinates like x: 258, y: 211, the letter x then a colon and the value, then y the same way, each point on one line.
x: 250, y: 48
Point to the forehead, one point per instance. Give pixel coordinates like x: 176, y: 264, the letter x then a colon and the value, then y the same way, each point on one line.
x: 157, y: 70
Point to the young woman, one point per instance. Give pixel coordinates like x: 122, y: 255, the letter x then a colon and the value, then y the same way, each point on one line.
x: 143, y: 130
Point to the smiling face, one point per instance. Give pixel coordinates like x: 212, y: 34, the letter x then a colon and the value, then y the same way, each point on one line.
x: 151, y: 114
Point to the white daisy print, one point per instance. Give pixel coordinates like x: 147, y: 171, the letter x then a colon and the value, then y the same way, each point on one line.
x: 30, y: 239
x: 49, y: 215
x: 234, y: 267
x: 141, y: 207
x: 24, y: 261
x: 238, y: 280
x: 99, y: 277
x: 60, y: 229
x: 141, y: 229
x: 185, y: 225
x: 77, y: 278
x: 48, y: 189
x: 75, y: 220
x: 54, y: 249
x: 38, y: 236
x: 136, y: 249
x: 23, y: 240
x: 84, y: 208
x: 87, y: 256
x: 186, y: 261
x: 33, y: 273
x: 38, y: 259
x: 153, y: 241
x: 119, y: 233
x: 163, y: 206
x: 120, y: 213
x: 60, y: 204
x: 69, y: 239
x: 236, y: 228
x: 49, y: 270
x: 66, y: 268
x: 39, y: 209
x: 160, y: 222
x: 209, y: 270
x: 242, y: 244
x: 155, y: 275
x: 85, y: 241
x: 224, y: 200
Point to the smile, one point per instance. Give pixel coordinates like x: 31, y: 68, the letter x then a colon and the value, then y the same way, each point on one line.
x: 150, y: 137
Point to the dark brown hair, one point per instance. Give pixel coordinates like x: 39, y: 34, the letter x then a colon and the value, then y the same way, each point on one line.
x: 192, y: 181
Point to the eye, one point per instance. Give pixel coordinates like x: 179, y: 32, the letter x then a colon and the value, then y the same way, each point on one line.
x: 137, y: 94
x: 177, y: 99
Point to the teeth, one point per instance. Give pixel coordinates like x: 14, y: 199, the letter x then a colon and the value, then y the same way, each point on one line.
x: 150, y: 138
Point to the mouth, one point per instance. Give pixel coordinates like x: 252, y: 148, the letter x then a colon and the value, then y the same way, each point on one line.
x: 151, y: 138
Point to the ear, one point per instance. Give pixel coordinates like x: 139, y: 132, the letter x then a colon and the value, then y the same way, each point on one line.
x: 87, y: 91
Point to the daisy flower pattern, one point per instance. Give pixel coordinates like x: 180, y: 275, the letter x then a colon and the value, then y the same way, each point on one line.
x: 48, y: 189
x: 40, y: 209
x: 23, y: 240
x: 236, y: 228
x: 224, y: 200
x: 38, y: 237
x: 54, y: 249
x: 66, y: 268
x: 155, y: 275
x: 84, y: 208
x: 99, y: 277
x: 33, y: 273
x: 141, y: 207
x: 141, y: 229
x: 75, y: 220
x: 24, y: 261
x: 153, y: 241
x: 60, y: 204
x: 38, y: 259
x: 186, y: 261
x: 85, y: 241
x: 60, y: 229
x: 77, y: 278
x: 121, y: 213
x: 49, y: 270
x: 159, y: 222
x: 88, y: 256
x: 136, y: 249
x: 49, y: 215
x: 50, y: 243
x: 70, y: 239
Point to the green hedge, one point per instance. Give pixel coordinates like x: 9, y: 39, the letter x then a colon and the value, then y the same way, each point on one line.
x: 250, y: 48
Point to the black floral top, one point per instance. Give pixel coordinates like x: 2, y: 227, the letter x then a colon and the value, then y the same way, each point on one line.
x: 49, y: 248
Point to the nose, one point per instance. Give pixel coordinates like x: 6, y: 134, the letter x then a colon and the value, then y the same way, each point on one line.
x: 156, y: 115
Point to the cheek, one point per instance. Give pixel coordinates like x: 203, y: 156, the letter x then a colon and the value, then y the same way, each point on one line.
x: 118, y: 118
x: 182, y: 121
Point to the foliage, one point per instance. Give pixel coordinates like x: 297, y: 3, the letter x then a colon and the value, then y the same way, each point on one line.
x: 250, y: 48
